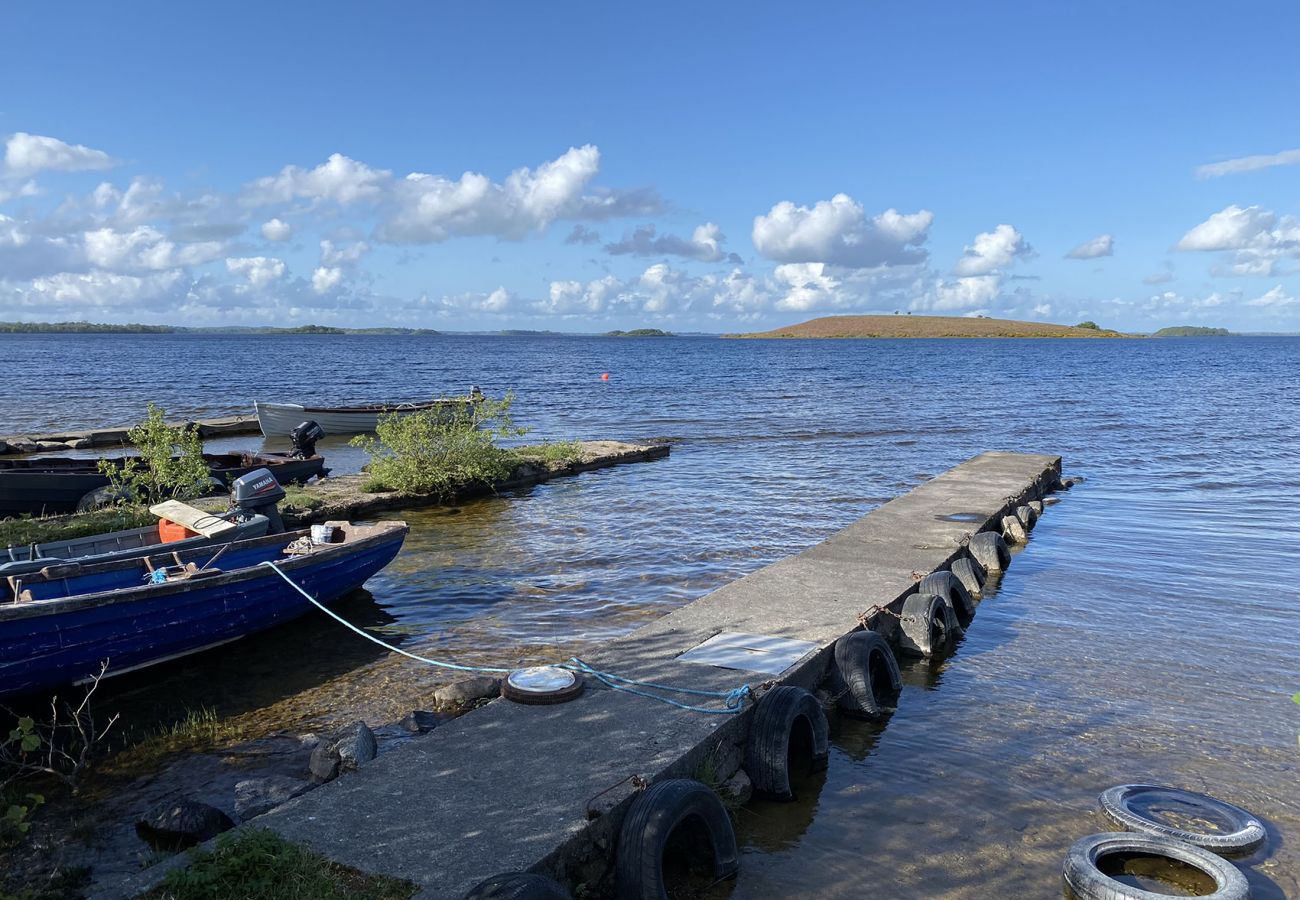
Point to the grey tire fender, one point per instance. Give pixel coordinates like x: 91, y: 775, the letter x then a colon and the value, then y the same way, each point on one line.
x: 1084, y: 875
x: 1241, y: 832
x: 990, y: 551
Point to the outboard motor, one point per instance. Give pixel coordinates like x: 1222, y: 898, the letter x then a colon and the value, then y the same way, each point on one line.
x: 256, y: 494
x: 304, y: 439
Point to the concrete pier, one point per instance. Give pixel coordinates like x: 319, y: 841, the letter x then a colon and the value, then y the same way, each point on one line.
x: 117, y: 437
x: 513, y: 788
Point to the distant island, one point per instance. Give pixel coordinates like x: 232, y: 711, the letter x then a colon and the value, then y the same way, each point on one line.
x: 929, y: 327
x: 1192, y: 331
x: 96, y: 328
x: 639, y: 332
x: 525, y: 332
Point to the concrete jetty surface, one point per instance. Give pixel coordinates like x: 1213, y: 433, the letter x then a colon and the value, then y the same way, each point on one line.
x: 513, y: 788
x: 117, y: 437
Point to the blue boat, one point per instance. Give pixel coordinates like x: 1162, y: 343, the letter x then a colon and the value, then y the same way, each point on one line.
x: 62, y: 625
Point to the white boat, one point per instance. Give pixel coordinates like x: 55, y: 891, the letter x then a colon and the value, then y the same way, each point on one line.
x: 279, y: 419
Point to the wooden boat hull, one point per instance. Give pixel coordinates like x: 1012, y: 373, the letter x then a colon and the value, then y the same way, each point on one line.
x: 55, y: 484
x: 45, y: 644
x: 279, y: 419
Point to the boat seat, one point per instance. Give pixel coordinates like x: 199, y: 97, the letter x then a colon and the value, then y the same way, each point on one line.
x: 210, y: 525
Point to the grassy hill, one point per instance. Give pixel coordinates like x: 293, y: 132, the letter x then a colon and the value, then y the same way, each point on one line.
x: 927, y: 327
x: 1191, y: 331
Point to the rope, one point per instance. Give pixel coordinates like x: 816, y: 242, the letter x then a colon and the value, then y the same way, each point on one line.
x: 734, y: 699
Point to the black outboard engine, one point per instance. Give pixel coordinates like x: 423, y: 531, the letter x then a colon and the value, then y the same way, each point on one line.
x: 304, y: 439
x: 256, y: 494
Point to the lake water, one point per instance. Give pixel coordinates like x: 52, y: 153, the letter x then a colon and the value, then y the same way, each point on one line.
x: 1147, y: 632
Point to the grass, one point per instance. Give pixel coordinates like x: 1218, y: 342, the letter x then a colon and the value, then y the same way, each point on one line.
x: 200, y: 729
x: 256, y: 864
x: 27, y: 530
x: 558, y: 452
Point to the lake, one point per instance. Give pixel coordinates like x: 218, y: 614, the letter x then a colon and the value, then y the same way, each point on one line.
x: 1147, y: 632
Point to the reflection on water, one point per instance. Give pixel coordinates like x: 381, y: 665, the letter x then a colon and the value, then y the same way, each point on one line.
x: 1148, y: 633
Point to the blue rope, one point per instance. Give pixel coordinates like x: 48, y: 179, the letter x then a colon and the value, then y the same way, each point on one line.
x: 734, y: 699
x: 371, y: 637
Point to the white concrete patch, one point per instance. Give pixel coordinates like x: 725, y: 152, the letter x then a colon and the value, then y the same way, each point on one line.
x: 749, y: 652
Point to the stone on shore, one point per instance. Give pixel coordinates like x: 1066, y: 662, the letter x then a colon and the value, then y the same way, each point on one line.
x: 738, y: 789
x: 177, y: 824
x: 343, y: 752
x: 255, y: 796
x: 419, y: 721
x: 467, y: 691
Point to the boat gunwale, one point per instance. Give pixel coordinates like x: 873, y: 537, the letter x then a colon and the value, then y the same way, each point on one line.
x: 375, y: 408
x: 15, y: 610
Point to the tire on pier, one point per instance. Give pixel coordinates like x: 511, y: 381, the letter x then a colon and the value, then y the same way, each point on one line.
x: 1133, y: 806
x: 1086, y: 866
x: 990, y: 551
x: 1036, y: 506
x: 948, y: 586
x: 518, y: 886
x: 655, y: 814
x: 928, y: 625
x: 864, y: 674
x: 1013, y: 531
x: 101, y: 497
x: 971, y: 575
x: 1027, y: 516
x: 784, y: 717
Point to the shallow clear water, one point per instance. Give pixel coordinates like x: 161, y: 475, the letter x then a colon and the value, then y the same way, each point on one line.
x: 1147, y: 633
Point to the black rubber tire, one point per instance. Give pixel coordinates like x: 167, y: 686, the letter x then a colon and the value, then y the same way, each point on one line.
x: 101, y: 497
x: 1027, y: 517
x: 971, y: 575
x: 1247, y: 832
x: 518, y: 886
x: 949, y: 587
x: 1086, y: 879
x: 655, y: 813
x: 767, y: 749
x: 990, y: 551
x: 864, y: 674
x: 925, y: 629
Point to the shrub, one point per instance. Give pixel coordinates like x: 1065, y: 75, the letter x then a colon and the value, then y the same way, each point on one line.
x: 169, y: 462
x: 435, y: 451
x: 1093, y: 326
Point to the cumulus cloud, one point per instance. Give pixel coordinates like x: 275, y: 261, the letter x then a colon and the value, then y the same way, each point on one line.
x: 325, y: 279
x: 68, y: 292
x: 276, y: 230
x: 259, y: 270
x: 1257, y: 238
x: 1101, y: 245
x: 583, y: 235
x: 1248, y: 164
x: 838, y: 232
x: 494, y: 302
x: 27, y: 154
x: 339, y: 179
x: 18, y: 190
x: 332, y: 254
x: 992, y: 252
x: 145, y: 248
x: 704, y: 244
x: 1274, y: 297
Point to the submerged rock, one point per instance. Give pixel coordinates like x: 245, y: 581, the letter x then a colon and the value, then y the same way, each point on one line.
x: 177, y: 824
x: 419, y: 721
x: 255, y: 796
x: 468, y: 690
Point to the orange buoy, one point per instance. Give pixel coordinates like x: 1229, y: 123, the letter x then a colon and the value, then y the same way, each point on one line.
x: 604, y: 376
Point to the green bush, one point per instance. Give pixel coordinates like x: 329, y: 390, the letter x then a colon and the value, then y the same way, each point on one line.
x: 435, y: 451
x: 1090, y: 325
x: 169, y: 463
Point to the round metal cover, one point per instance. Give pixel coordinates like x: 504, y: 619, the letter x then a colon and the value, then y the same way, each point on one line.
x: 541, y: 684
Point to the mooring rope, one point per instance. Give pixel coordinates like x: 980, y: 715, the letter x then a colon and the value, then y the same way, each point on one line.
x: 734, y: 699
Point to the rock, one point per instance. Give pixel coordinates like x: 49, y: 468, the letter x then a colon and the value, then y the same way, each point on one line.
x: 24, y: 446
x: 177, y: 824
x: 419, y: 721
x: 81, y: 444
x: 46, y: 446
x: 325, y: 763
x: 468, y: 690
x: 255, y: 796
x: 737, y: 790
x: 1012, y: 531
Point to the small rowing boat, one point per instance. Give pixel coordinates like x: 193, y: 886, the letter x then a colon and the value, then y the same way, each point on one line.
x: 63, y: 625
x: 279, y: 419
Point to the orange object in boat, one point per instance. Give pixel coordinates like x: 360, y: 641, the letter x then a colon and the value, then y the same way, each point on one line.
x: 169, y: 531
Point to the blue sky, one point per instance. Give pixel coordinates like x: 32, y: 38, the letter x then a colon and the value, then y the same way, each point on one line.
x: 587, y: 166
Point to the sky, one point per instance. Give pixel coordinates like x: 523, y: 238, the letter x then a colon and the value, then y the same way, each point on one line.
x: 689, y: 166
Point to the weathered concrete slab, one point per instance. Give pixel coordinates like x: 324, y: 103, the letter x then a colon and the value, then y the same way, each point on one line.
x: 510, y: 787
x: 117, y: 437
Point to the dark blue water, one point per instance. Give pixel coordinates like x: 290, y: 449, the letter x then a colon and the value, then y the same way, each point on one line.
x: 1148, y: 632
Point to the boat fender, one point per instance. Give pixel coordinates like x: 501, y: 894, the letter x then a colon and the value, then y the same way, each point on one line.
x: 1130, y: 805
x: 655, y: 814
x: 782, y: 715
x: 990, y: 551
x: 1084, y: 874
x: 1027, y: 516
x: 864, y: 674
x: 948, y: 586
x: 518, y: 886
x: 971, y: 576
x: 1013, y: 532
x: 926, y: 625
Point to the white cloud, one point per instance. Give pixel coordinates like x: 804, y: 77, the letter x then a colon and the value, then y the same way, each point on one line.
x: 27, y: 154
x: 342, y: 255
x: 574, y: 297
x: 339, y: 179
x: 1257, y: 237
x: 145, y: 248
x: 1043, y: 310
x: 1159, y: 278
x: 276, y: 230
x: 22, y: 189
x: 704, y: 244
x: 837, y: 231
x: 1101, y: 245
x: 259, y: 270
x: 493, y: 303
x: 807, y: 286
x: 325, y: 279
x: 1274, y: 297
x: 1249, y: 164
x: 992, y: 251
x: 74, y: 292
